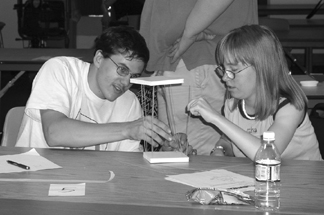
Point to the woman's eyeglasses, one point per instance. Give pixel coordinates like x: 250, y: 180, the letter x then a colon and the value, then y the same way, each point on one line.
x: 220, y: 71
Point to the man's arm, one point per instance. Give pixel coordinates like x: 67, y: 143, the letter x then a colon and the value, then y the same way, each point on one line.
x: 59, y: 130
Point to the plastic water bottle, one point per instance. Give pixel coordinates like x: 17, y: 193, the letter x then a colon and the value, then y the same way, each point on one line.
x: 267, y: 174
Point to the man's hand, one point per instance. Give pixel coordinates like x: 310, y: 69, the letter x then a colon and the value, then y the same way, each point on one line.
x: 149, y: 129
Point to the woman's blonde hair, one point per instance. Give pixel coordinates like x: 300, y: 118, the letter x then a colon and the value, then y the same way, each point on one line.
x: 259, y: 47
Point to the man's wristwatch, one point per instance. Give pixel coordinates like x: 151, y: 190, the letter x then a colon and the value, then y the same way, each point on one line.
x: 218, y: 147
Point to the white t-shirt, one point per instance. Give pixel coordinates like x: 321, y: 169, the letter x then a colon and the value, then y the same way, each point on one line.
x: 62, y: 85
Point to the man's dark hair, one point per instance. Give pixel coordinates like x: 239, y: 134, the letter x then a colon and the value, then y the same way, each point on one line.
x: 124, y: 40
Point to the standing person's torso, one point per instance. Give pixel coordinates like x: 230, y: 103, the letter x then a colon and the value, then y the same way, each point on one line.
x: 163, y: 22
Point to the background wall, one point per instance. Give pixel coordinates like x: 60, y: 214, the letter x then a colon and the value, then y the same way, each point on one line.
x: 298, y: 51
x: 9, y: 16
x: 82, y: 29
x: 10, y: 32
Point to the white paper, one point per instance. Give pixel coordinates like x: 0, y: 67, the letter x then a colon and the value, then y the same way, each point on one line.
x: 218, y: 178
x: 30, y: 158
x: 67, y: 190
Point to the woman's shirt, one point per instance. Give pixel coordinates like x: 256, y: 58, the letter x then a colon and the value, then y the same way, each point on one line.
x: 303, y: 145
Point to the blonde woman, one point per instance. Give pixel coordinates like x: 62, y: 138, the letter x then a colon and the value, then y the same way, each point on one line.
x: 261, y: 96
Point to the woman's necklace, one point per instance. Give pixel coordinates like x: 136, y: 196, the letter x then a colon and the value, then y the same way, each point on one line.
x: 244, y: 111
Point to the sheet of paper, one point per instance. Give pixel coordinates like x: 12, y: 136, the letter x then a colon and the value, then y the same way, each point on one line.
x: 30, y: 158
x: 218, y: 178
x: 67, y: 190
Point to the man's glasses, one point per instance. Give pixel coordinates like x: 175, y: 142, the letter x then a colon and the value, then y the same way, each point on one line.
x: 220, y: 71
x: 123, y: 71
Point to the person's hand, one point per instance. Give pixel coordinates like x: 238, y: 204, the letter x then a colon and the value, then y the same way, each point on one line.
x: 158, y: 73
x: 179, y: 143
x: 205, y: 36
x: 200, y: 107
x: 179, y: 47
x: 218, y: 152
x: 149, y: 129
x: 223, y: 147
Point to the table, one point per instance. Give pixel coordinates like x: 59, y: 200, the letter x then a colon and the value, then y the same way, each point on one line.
x: 287, y: 9
x: 311, y: 92
x: 306, y: 23
x: 140, y: 187
x: 32, y: 59
x: 314, y: 94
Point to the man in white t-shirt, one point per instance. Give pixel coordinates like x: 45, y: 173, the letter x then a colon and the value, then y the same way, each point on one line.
x: 88, y: 105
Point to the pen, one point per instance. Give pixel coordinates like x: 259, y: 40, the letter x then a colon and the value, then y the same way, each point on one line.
x: 18, y: 164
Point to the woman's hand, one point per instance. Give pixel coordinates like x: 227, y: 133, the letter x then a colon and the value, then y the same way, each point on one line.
x: 200, y: 107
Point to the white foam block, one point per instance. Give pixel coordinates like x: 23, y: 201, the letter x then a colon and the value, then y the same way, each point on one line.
x: 156, y: 80
x: 166, y: 157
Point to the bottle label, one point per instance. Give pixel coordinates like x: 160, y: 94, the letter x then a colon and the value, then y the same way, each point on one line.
x: 267, y: 172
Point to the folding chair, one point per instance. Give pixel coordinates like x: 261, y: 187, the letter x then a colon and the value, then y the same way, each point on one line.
x: 317, y: 118
x: 12, y: 125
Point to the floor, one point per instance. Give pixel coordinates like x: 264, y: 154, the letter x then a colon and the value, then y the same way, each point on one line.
x: 18, y: 94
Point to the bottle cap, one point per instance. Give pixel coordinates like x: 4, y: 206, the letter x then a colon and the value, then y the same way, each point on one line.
x: 268, y: 135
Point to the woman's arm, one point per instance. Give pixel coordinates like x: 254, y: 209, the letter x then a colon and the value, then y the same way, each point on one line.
x: 287, y: 120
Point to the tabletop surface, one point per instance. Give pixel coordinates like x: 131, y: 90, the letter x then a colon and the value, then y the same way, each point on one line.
x: 306, y: 23
x: 316, y: 92
x: 31, y: 59
x: 287, y: 9
x: 141, y: 188
x: 39, y: 55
